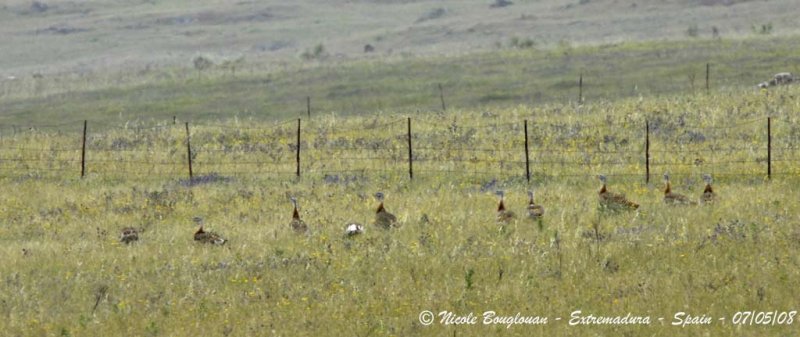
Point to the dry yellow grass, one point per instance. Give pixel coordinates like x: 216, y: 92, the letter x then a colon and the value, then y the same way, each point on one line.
x: 65, y: 273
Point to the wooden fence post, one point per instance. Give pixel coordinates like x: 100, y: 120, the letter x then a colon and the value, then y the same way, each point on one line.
x: 298, y: 148
x: 441, y: 97
x: 647, y: 150
x: 410, y: 153
x: 83, y: 149
x: 769, y: 148
x: 189, y: 152
x: 527, y: 158
x: 308, y: 106
x: 708, y: 76
x: 580, y: 89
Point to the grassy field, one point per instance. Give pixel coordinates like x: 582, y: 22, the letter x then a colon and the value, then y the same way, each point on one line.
x: 136, y: 71
x: 491, y: 80
x: 57, y: 37
x: 65, y: 273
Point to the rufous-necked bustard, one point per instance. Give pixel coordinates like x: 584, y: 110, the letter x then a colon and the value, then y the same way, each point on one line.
x: 708, y: 195
x: 383, y: 218
x: 672, y: 198
x: 207, y: 237
x: 297, y: 224
x: 503, y: 215
x: 615, y: 201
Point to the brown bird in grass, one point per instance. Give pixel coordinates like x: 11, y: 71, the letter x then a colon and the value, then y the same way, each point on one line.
x: 297, y: 225
x: 503, y: 215
x: 383, y: 218
x: 128, y: 235
x: 672, y: 198
x: 708, y: 193
x: 612, y: 200
x: 534, y: 211
x: 207, y: 237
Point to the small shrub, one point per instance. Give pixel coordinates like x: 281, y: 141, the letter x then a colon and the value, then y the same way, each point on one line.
x: 202, y: 62
x: 519, y: 43
x: 764, y: 29
x: 316, y: 53
x: 501, y: 3
x: 693, y: 30
x: 432, y: 14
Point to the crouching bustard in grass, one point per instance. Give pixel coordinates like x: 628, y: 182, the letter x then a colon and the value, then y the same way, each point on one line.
x: 614, y: 201
x: 299, y: 226
x: 353, y: 229
x: 383, y: 218
x: 708, y: 193
x: 534, y: 211
x: 128, y: 235
x: 503, y: 215
x: 672, y: 198
x: 207, y: 237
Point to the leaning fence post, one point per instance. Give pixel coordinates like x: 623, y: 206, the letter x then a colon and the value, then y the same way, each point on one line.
x: 647, y: 150
x: 297, y: 158
x: 410, y: 153
x: 189, y: 152
x: 769, y: 147
x: 527, y: 160
x: 83, y: 149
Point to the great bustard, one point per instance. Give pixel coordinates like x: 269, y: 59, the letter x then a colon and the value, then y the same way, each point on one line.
x: 708, y: 193
x: 672, y: 198
x: 383, y: 218
x: 503, y: 215
x: 207, y: 237
x: 612, y: 200
x: 128, y: 235
x: 534, y: 211
x: 353, y: 229
x: 298, y: 225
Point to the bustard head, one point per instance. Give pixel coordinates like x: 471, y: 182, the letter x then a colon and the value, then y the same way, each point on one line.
x: 707, y: 178
x: 379, y: 196
x: 602, y: 178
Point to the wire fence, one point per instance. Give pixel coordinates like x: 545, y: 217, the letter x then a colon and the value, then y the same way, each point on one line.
x: 522, y: 150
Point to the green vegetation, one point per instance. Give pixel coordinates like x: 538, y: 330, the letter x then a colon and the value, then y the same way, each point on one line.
x: 493, y: 79
x: 64, y: 271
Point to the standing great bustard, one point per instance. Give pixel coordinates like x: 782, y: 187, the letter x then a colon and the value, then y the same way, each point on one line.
x: 612, y: 200
x: 672, y: 198
x: 207, y: 237
x: 299, y: 226
x: 503, y: 215
x: 708, y: 193
x: 383, y: 218
x: 534, y: 211
x: 128, y: 235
